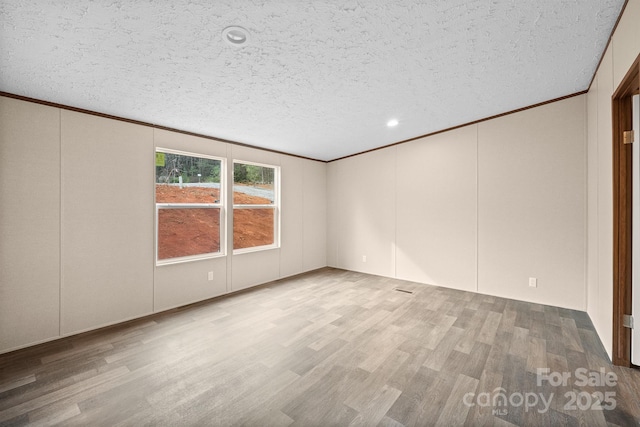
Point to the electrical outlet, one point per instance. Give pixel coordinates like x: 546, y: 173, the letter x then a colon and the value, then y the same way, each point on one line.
x: 210, y: 275
x: 533, y: 282
x: 364, y: 258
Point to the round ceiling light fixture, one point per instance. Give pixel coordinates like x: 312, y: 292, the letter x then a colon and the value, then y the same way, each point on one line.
x: 235, y: 36
x: 392, y: 123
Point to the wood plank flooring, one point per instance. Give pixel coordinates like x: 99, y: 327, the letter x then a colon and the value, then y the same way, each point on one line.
x: 328, y: 348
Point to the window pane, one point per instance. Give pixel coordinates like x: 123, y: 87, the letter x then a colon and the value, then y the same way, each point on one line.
x: 253, y: 185
x: 171, y: 193
x: 253, y: 227
x: 187, y: 179
x: 188, y: 231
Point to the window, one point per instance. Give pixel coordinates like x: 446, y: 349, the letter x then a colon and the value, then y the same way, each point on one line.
x: 189, y: 206
x: 255, y: 206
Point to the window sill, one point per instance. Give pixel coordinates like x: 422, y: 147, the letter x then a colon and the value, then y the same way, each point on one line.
x: 255, y: 249
x: 182, y: 260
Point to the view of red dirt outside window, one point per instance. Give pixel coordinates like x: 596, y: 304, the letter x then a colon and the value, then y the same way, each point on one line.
x: 190, y: 208
x: 253, y: 205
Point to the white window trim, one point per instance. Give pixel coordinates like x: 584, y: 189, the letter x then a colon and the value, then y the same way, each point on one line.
x: 220, y: 205
x: 275, y: 206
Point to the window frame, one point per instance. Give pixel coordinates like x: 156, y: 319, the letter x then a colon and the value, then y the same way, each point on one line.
x: 221, y: 205
x: 275, y: 206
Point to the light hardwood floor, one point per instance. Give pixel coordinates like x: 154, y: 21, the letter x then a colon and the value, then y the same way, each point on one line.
x: 326, y: 348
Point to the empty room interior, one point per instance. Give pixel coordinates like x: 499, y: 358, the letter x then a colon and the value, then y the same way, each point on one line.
x: 325, y: 213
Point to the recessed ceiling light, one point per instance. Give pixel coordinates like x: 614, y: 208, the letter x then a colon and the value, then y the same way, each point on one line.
x: 392, y: 123
x: 235, y: 36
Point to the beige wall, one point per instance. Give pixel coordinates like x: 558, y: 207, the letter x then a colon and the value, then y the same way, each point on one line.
x: 29, y: 223
x: 531, y: 211
x: 77, y: 224
x: 593, y: 247
x: 314, y: 216
x: 436, y: 203
x: 362, y: 211
x: 107, y: 221
x: 622, y: 51
x: 625, y: 43
x: 481, y: 208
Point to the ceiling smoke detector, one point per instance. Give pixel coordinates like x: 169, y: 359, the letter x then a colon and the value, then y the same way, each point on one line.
x: 235, y: 36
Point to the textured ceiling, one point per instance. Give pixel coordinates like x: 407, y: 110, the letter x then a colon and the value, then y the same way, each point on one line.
x: 318, y: 79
